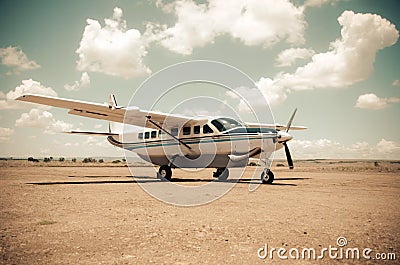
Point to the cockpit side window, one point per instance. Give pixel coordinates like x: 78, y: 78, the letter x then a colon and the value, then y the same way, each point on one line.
x: 218, y: 125
x: 207, y: 129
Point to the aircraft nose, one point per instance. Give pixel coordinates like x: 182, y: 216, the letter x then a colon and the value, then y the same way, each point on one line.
x: 284, y: 137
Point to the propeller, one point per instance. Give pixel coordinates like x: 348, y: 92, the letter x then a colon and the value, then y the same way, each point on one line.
x: 288, y: 156
x: 290, y: 120
x: 287, y: 151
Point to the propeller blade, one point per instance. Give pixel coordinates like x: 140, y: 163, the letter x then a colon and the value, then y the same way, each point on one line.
x: 288, y: 156
x: 290, y: 120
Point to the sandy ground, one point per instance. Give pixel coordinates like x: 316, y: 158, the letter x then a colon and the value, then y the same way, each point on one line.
x: 100, y: 215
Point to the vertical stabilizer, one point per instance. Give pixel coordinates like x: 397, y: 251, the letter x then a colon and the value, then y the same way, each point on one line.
x: 112, y: 102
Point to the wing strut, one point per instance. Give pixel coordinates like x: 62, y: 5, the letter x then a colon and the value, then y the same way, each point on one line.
x: 162, y: 129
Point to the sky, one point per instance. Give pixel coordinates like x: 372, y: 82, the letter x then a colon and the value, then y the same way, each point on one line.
x: 337, y: 61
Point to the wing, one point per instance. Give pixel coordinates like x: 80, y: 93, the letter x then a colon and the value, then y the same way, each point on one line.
x: 129, y: 115
x: 276, y: 126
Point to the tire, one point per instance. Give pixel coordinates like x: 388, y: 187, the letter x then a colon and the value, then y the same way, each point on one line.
x: 267, y: 177
x: 165, y: 172
x: 222, y: 174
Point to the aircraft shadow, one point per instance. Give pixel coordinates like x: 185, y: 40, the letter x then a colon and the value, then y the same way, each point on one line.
x: 147, y: 179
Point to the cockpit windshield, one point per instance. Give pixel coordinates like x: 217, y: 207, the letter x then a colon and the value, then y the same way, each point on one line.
x: 224, y: 124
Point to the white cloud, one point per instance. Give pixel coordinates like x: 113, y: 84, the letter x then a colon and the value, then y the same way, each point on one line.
x: 253, y: 22
x: 266, y: 91
x: 289, y: 56
x: 42, y: 119
x: 325, y: 148
x: 372, y: 101
x: 396, y: 82
x: 28, y: 87
x: 319, y: 2
x: 71, y: 144
x: 274, y: 93
x: 387, y: 147
x: 5, y: 134
x: 90, y: 141
x: 82, y: 83
x: 112, y: 49
x: 14, y: 57
x: 45, y: 151
x: 96, y: 141
x: 350, y: 58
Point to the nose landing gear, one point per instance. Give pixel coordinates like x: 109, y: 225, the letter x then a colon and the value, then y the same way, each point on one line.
x: 267, y: 177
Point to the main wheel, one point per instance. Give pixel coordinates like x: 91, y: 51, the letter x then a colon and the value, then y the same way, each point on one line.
x: 222, y: 173
x: 267, y: 177
x: 165, y: 172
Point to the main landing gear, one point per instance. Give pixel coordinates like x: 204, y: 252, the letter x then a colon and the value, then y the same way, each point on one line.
x: 222, y: 173
x: 267, y: 177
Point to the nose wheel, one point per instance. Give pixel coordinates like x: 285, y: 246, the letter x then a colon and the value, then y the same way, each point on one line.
x: 267, y: 177
x: 165, y: 172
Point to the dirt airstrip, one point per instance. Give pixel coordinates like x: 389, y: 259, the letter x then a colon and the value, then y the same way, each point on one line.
x: 100, y: 215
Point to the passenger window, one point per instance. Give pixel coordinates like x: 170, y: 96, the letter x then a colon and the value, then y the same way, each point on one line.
x: 140, y: 135
x: 160, y: 132
x: 196, y: 129
x: 146, y: 135
x: 153, y: 134
x: 186, y: 130
x: 207, y: 129
x: 174, y: 131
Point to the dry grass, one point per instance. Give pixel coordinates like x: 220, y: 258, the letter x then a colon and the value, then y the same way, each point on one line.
x: 54, y: 163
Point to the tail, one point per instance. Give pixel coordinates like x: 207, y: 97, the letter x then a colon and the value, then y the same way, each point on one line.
x: 112, y: 127
x: 112, y: 104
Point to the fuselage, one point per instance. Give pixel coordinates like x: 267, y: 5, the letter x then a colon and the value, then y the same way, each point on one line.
x: 217, y: 143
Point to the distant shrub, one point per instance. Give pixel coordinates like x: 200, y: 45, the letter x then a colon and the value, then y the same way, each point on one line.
x: 116, y: 161
x: 252, y: 164
x: 280, y: 165
x: 46, y: 222
x: 101, y: 160
x: 73, y: 160
x: 47, y: 159
x: 61, y: 159
x: 89, y: 160
x: 30, y: 158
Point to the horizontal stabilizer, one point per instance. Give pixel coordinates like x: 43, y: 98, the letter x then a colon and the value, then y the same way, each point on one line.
x: 94, y: 133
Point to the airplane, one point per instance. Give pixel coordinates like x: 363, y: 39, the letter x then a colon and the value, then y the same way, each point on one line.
x: 177, y: 141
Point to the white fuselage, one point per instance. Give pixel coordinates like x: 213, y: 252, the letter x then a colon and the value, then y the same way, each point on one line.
x: 199, y: 146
